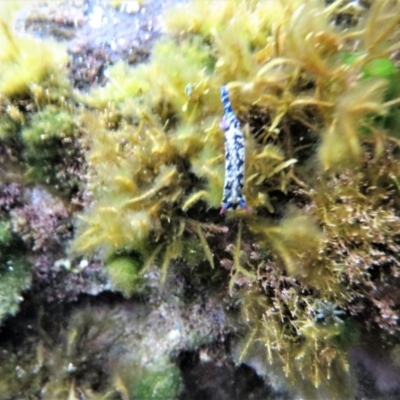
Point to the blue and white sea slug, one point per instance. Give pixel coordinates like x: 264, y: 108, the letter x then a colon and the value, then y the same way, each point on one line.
x: 234, y: 157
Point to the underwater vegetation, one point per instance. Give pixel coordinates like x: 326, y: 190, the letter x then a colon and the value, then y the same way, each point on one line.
x: 14, y: 272
x: 39, y: 155
x: 316, y: 89
x: 38, y: 128
x: 82, y: 359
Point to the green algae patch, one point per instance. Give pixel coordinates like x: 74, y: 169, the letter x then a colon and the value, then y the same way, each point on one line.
x: 14, y: 279
x: 380, y: 67
x: 15, y: 274
x: 160, y: 380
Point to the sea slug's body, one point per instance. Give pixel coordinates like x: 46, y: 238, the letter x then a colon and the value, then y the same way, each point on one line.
x: 234, y: 157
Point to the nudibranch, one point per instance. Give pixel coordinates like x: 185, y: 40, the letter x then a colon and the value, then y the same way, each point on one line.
x: 234, y: 157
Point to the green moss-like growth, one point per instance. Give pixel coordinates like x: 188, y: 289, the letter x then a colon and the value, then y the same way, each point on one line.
x: 50, y: 123
x: 14, y: 279
x: 48, y: 139
x: 15, y: 274
x: 160, y: 380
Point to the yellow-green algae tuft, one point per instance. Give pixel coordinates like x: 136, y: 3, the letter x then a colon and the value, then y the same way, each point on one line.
x: 25, y: 61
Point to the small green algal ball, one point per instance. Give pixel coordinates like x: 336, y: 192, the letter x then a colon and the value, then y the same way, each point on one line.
x: 124, y: 274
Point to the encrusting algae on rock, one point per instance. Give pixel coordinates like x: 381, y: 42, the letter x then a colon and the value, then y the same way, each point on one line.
x: 315, y: 88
